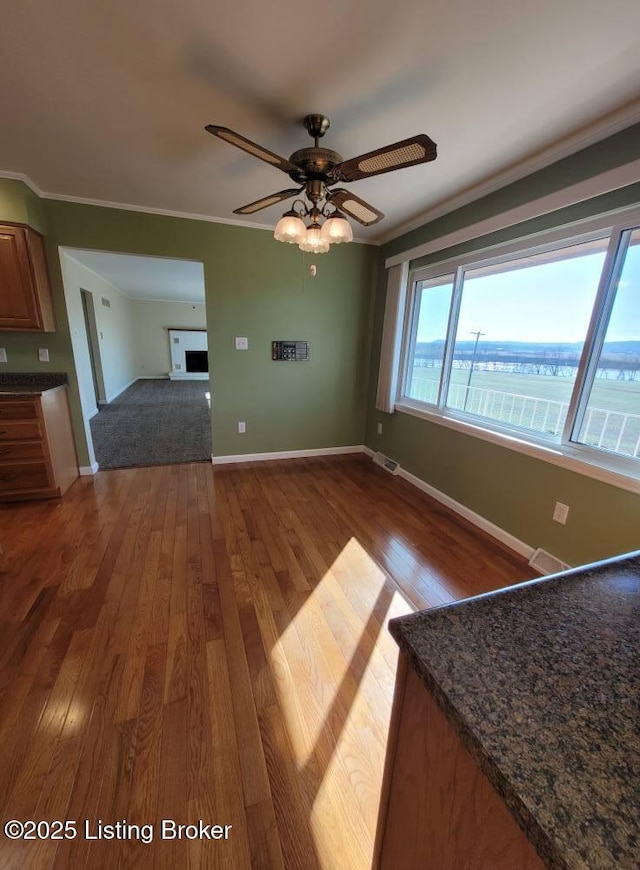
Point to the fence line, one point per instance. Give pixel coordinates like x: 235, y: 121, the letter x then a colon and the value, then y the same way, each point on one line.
x: 610, y: 430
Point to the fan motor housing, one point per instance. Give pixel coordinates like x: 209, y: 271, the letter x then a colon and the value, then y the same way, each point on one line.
x: 315, y: 162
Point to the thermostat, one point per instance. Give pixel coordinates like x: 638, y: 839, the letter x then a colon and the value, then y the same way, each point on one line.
x: 290, y: 351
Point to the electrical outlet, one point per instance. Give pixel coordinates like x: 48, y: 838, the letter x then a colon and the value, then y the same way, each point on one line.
x: 43, y: 354
x: 242, y: 343
x: 379, y: 428
x: 560, y: 513
x: 242, y: 427
x: 3, y: 354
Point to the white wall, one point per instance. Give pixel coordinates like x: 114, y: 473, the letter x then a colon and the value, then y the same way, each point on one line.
x: 115, y: 326
x: 151, y: 322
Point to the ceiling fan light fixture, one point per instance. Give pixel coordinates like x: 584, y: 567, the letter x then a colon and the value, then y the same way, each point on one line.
x: 313, y: 242
x: 336, y: 229
x: 290, y: 228
x: 317, y: 169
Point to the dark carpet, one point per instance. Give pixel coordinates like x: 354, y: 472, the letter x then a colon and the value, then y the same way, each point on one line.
x: 154, y: 422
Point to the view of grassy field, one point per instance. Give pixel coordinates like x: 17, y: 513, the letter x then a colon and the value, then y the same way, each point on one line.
x: 511, y: 398
x: 607, y: 393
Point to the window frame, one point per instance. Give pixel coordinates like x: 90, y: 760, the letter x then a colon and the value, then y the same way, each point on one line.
x: 411, y: 330
x: 563, y: 449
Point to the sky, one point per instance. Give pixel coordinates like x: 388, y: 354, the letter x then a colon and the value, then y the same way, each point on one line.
x: 549, y: 302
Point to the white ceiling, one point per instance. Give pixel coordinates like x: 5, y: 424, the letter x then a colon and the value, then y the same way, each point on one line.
x: 146, y: 277
x: 107, y: 101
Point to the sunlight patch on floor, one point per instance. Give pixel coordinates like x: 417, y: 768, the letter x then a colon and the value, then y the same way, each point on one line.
x: 324, y: 640
x: 335, y: 682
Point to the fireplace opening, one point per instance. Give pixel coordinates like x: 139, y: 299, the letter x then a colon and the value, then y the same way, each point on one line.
x: 197, y: 360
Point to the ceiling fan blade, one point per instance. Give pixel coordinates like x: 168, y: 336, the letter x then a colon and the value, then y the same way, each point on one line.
x: 266, y: 201
x: 355, y: 207
x: 409, y: 152
x: 250, y: 147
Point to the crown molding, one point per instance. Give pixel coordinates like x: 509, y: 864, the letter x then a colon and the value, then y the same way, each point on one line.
x: 144, y: 209
x: 20, y: 176
x: 611, y: 124
x: 164, y: 212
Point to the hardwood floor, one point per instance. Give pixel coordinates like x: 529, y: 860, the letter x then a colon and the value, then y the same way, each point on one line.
x: 188, y: 644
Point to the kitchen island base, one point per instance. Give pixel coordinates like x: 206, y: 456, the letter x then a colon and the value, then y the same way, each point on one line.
x: 438, y: 809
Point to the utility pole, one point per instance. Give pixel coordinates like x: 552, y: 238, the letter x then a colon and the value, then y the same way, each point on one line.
x: 477, y: 334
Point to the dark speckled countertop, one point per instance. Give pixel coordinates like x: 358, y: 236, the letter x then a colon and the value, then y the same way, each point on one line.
x: 541, y: 681
x: 30, y: 383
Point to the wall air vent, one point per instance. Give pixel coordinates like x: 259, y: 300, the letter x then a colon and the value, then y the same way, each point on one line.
x: 383, y: 461
x: 545, y: 563
x: 106, y: 302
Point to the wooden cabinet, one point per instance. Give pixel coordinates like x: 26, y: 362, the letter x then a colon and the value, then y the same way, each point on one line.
x: 37, y: 450
x: 438, y: 809
x: 26, y: 303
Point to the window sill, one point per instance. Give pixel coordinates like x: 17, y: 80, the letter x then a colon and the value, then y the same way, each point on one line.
x: 580, y: 460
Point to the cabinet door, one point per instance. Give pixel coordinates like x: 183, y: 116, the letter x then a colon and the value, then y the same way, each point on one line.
x: 18, y: 301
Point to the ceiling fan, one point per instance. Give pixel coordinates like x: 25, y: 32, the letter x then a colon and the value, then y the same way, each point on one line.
x: 317, y: 170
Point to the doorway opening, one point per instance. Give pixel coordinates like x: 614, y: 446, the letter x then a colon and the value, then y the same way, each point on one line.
x: 122, y: 310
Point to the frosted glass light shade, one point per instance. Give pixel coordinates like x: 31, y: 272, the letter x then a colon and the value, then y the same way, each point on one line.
x: 314, y: 242
x: 337, y: 230
x: 290, y: 228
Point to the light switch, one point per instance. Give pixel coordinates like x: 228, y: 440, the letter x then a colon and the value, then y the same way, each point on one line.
x: 561, y: 512
x: 242, y: 343
x: 3, y: 354
x: 43, y: 354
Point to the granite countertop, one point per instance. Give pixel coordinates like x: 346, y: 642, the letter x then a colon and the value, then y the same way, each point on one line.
x: 30, y: 383
x: 541, y: 682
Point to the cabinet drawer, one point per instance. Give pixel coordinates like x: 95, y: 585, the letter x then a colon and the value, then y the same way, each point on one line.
x: 26, y: 410
x: 10, y: 450
x: 14, y: 430
x: 21, y: 476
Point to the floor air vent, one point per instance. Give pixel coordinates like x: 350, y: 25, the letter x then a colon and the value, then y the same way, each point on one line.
x: 545, y: 563
x: 383, y: 461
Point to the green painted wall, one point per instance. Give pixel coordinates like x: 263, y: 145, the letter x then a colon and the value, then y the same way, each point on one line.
x: 255, y: 287
x: 514, y: 491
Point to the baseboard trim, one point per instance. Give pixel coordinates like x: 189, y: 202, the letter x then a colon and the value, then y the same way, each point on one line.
x: 115, y: 395
x: 89, y: 470
x: 188, y: 376
x: 287, y: 454
x: 485, y: 525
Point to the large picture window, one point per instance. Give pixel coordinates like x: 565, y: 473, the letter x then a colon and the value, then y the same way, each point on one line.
x: 542, y: 342
x: 520, y: 334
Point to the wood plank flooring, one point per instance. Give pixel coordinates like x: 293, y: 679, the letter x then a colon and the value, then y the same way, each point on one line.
x: 187, y: 644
